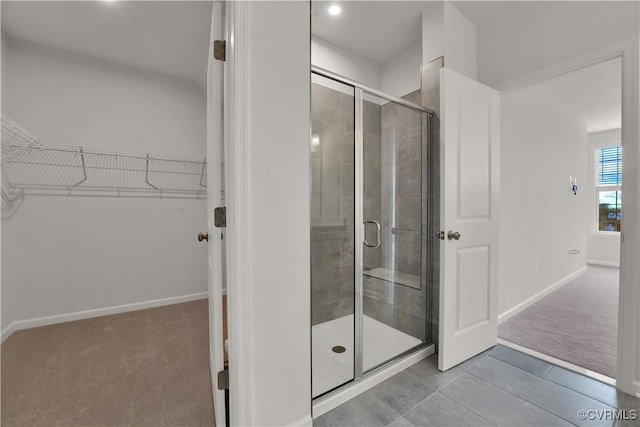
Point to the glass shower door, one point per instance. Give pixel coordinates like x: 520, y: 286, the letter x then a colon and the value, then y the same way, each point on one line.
x: 394, y: 291
x: 332, y: 234
x: 369, y: 296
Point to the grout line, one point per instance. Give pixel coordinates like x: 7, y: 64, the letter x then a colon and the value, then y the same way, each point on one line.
x: 555, y: 415
x: 553, y: 365
x: 558, y: 362
x: 549, y: 412
x: 383, y: 402
x: 513, y: 412
x: 414, y: 406
x: 586, y: 395
x: 436, y: 373
x: 525, y: 354
x: 328, y: 420
x: 518, y: 367
x: 468, y: 409
x: 496, y: 386
x: 534, y: 387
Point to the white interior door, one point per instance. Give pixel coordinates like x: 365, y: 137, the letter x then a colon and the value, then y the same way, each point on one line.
x: 470, y: 184
x: 215, y: 114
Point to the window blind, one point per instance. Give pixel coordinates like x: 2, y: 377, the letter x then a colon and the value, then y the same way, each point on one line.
x: 609, y: 161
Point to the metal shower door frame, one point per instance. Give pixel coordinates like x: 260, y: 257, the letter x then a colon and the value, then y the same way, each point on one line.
x: 359, y: 228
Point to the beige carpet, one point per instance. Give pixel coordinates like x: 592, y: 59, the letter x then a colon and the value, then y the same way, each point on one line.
x: 577, y: 323
x: 143, y: 368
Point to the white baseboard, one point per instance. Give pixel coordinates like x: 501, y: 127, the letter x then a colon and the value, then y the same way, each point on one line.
x: 526, y: 303
x: 637, y: 384
x: 337, y: 398
x: 87, y: 314
x: 8, y: 331
x: 605, y: 263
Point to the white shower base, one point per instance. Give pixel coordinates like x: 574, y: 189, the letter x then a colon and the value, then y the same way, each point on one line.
x: 380, y: 343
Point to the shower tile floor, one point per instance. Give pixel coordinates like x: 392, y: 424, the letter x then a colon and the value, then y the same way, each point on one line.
x: 380, y: 343
x: 500, y: 387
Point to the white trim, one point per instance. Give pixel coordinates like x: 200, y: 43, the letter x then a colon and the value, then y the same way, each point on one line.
x: 637, y: 384
x: 238, y: 230
x: 605, y: 136
x: 605, y: 234
x: 629, y: 302
x: 605, y: 263
x: 306, y: 421
x: 8, y: 331
x: 215, y: 198
x: 574, y: 64
x: 561, y: 363
x: 333, y: 400
x: 97, y: 312
x: 543, y: 293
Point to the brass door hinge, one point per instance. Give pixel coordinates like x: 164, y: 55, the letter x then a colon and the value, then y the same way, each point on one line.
x: 223, y: 380
x: 220, y: 50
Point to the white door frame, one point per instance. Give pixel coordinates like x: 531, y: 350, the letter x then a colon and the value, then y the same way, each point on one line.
x: 215, y: 116
x: 238, y: 260
x: 628, y: 371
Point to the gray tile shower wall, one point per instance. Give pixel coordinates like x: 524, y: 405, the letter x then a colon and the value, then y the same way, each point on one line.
x: 401, y: 217
x: 332, y: 204
x: 372, y: 171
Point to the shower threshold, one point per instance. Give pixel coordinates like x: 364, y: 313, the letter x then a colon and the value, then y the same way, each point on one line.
x: 380, y: 344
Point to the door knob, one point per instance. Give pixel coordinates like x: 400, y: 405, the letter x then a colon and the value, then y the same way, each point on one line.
x: 203, y: 236
x: 451, y: 235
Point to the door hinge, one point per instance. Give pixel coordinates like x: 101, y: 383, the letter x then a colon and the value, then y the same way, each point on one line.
x: 220, y: 50
x: 220, y: 217
x: 223, y: 380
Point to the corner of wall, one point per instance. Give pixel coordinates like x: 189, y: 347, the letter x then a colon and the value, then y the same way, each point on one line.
x: 460, y: 42
x: 433, y: 32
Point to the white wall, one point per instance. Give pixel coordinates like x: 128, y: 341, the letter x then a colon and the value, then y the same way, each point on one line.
x: 542, y: 144
x: 525, y: 36
x: 602, y: 248
x: 460, y: 47
x: 401, y: 75
x: 433, y: 39
x: 344, y: 63
x: 66, y: 254
x: 446, y: 31
x: 278, y: 221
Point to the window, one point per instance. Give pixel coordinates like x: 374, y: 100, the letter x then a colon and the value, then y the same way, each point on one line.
x: 608, y: 187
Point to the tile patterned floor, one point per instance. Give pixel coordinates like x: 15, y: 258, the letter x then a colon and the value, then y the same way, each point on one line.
x: 500, y: 387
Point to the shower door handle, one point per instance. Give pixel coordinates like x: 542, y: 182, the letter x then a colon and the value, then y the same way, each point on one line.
x: 366, y: 242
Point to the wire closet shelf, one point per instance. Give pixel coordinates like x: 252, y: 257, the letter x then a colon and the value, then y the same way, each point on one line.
x: 31, y: 166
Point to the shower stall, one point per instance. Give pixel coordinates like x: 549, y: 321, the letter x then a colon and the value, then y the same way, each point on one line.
x: 370, y: 275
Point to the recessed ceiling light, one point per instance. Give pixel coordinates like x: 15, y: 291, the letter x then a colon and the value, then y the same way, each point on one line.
x: 334, y: 10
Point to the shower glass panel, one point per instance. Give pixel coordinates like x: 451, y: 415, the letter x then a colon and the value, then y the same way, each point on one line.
x: 394, y: 287
x: 332, y: 234
x: 369, y: 300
